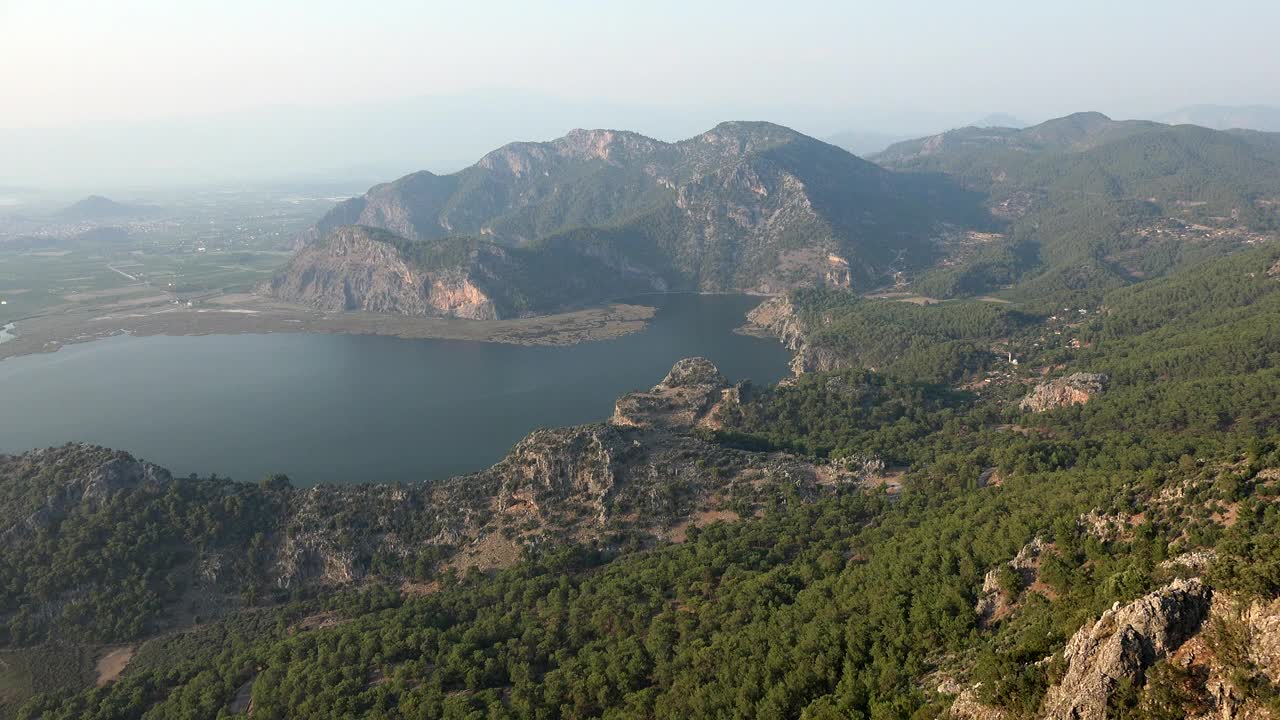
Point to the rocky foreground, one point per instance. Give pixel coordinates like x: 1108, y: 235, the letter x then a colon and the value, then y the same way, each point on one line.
x: 1182, y: 638
x: 642, y: 476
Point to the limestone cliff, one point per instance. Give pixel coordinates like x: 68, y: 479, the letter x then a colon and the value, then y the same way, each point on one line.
x: 367, y: 269
x: 358, y: 268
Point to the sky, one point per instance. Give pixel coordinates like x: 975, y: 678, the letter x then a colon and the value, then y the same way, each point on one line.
x: 898, y: 67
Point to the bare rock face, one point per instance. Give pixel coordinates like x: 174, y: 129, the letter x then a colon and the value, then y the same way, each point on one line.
x: 991, y: 602
x: 1074, y: 389
x: 1239, y: 646
x: 1122, y: 644
x: 679, y: 402
x: 358, y: 268
x: 550, y: 466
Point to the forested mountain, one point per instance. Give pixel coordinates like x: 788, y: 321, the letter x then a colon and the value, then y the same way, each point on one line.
x: 1091, y: 204
x: 745, y: 206
x: 1054, y: 214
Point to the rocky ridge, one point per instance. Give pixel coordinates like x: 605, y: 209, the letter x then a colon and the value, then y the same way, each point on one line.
x: 642, y: 475
x: 1122, y: 644
x: 111, y: 473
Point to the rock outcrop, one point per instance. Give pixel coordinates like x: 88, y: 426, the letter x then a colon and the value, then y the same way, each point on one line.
x: 967, y: 706
x: 678, y: 403
x: 992, y: 603
x: 1074, y: 389
x: 1122, y: 644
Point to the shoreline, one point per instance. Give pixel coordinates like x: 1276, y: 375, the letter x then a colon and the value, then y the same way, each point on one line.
x: 251, y: 314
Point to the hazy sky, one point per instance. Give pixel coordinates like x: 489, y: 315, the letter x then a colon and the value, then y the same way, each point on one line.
x: 64, y: 62
x: 101, y: 94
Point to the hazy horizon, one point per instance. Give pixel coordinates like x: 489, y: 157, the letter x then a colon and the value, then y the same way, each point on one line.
x: 141, y: 93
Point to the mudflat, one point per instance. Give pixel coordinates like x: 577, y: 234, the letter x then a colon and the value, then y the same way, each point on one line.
x: 244, y: 313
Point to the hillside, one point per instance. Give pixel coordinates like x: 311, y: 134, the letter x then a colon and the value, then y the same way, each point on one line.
x: 1051, y: 215
x: 1091, y: 204
x: 744, y: 206
x: 915, y: 526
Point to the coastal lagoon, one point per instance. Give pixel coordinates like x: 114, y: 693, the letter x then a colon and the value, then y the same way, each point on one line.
x: 325, y: 408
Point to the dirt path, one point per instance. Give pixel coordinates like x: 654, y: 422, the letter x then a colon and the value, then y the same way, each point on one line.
x: 113, y: 663
x: 112, y: 267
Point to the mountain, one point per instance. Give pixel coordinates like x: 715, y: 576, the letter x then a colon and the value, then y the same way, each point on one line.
x: 1226, y: 117
x: 747, y: 206
x: 97, y: 207
x: 999, y: 119
x: 952, y: 150
x: 1091, y: 203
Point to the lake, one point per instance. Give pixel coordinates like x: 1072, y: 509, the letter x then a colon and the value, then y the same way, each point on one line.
x: 353, y: 408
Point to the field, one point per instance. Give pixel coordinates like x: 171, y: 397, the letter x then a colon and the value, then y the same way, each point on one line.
x: 206, y: 246
x: 36, y: 282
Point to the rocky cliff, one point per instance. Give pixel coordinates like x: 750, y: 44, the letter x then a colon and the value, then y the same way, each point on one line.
x: 358, y: 268
x: 778, y: 316
x: 1122, y: 644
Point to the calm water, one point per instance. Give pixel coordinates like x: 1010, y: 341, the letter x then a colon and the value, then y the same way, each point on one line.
x: 350, y: 408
